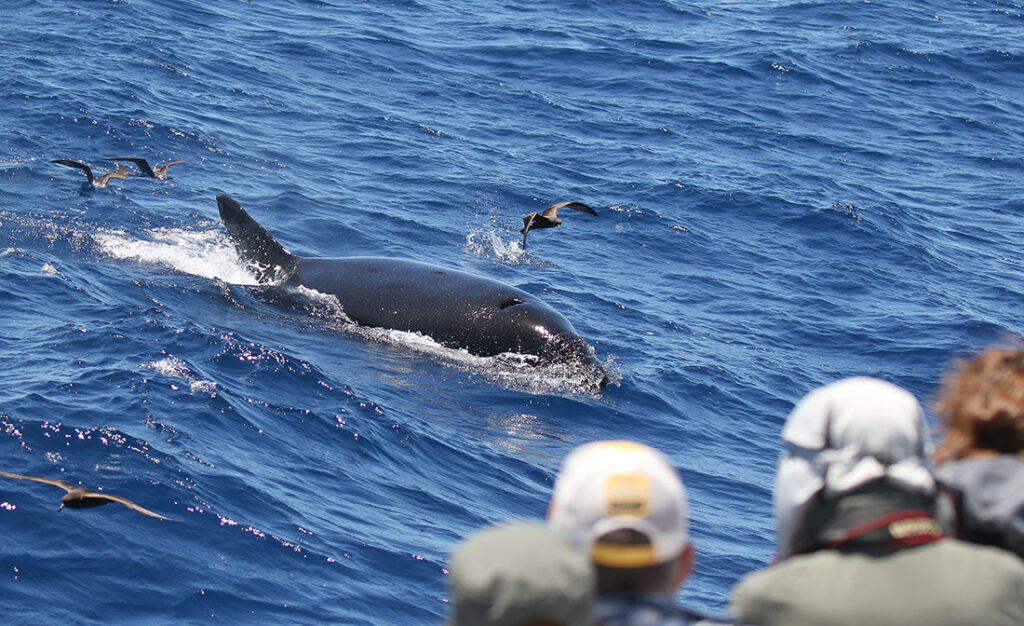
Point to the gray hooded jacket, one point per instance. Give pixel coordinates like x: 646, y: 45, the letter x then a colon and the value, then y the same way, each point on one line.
x: 989, y: 497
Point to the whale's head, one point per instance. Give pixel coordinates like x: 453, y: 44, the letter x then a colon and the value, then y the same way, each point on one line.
x: 532, y: 327
x: 543, y: 332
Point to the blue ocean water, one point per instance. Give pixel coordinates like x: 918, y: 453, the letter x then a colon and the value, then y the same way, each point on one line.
x: 789, y: 193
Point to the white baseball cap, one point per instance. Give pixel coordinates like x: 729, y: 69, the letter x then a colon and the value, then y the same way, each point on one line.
x: 607, y: 486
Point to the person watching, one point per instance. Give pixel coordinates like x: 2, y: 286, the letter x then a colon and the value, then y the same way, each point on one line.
x: 520, y: 574
x: 981, y: 456
x: 858, y: 537
x: 624, y: 504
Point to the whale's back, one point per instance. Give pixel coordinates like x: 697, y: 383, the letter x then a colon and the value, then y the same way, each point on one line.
x: 454, y: 308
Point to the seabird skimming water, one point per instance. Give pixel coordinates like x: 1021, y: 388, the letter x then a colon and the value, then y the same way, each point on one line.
x: 120, y: 173
x: 159, y: 171
x: 549, y: 217
x: 82, y: 498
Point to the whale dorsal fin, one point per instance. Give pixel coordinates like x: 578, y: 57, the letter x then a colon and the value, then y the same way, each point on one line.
x: 254, y: 244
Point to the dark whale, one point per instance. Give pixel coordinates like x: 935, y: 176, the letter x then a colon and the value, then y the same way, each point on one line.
x: 454, y: 308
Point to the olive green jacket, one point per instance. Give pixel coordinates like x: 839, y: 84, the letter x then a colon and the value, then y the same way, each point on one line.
x: 945, y: 582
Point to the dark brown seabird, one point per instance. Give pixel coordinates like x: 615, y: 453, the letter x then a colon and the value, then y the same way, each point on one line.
x: 549, y: 217
x: 82, y: 498
x: 120, y: 173
x: 160, y: 171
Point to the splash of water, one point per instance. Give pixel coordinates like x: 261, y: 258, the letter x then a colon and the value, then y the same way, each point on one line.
x: 204, y: 253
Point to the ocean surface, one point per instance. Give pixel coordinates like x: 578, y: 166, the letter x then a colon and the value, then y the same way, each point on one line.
x: 788, y: 193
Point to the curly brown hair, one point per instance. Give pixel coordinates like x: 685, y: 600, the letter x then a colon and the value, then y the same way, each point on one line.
x: 981, y: 404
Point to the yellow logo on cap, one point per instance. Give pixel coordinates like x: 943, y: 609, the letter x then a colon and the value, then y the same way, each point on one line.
x: 614, y: 555
x: 627, y: 494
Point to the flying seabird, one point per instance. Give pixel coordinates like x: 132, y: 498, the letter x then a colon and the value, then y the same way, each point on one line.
x: 120, y: 173
x: 82, y: 498
x: 160, y: 171
x: 549, y: 217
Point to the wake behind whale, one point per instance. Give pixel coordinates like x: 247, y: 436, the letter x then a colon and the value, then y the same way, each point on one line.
x: 456, y: 309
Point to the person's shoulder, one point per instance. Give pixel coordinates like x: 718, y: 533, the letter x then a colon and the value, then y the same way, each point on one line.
x: 966, y: 549
x: 980, y: 471
x: 1001, y: 562
x: 977, y: 570
x: 759, y: 591
x: 763, y: 592
x: 647, y: 610
x: 758, y: 594
x: 993, y: 575
x: 800, y: 565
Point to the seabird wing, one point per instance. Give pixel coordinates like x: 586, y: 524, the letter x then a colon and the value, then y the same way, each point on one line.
x: 63, y: 484
x: 131, y: 505
x: 78, y: 164
x: 579, y: 206
x: 528, y: 221
x: 552, y: 211
x: 161, y: 170
x: 143, y: 164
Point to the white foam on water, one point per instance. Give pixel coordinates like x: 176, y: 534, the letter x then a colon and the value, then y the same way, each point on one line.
x: 203, y: 386
x: 173, y: 367
x: 204, y: 253
x: 489, y: 242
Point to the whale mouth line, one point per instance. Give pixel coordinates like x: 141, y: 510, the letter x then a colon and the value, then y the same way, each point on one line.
x: 508, y: 302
